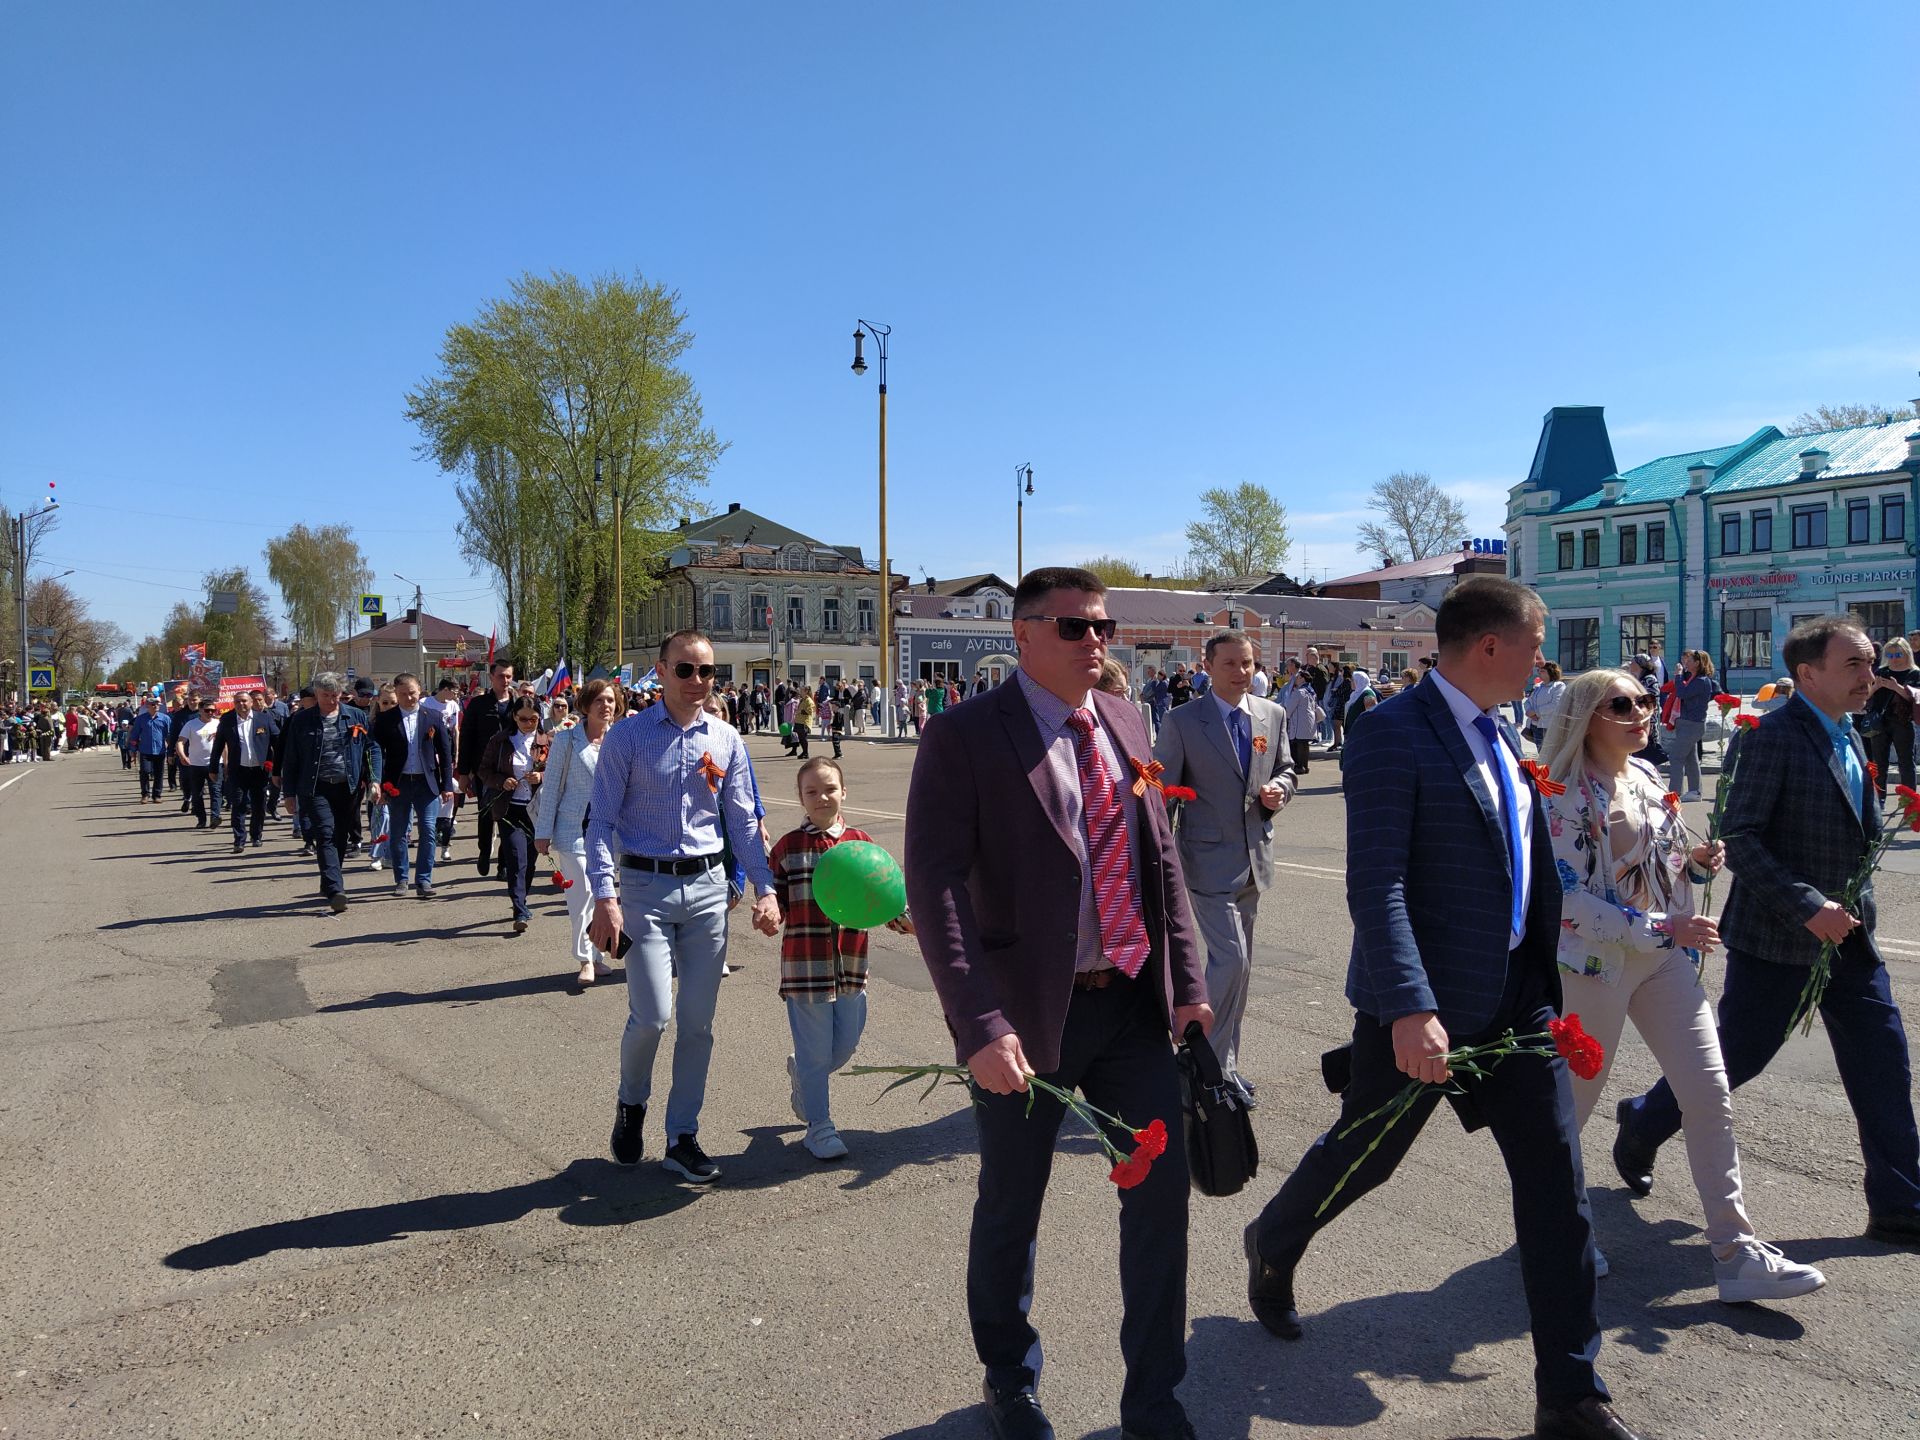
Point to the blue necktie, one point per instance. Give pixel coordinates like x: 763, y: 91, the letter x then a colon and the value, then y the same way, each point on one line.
x: 1242, y: 739
x: 1510, y: 811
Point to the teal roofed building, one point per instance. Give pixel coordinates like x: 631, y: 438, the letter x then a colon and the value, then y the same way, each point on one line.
x: 1722, y: 550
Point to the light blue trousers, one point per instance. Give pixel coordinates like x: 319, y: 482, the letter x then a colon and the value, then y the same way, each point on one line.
x: 825, y: 1035
x: 678, y: 925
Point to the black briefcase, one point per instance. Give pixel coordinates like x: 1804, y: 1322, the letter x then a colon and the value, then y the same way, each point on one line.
x: 1222, y: 1154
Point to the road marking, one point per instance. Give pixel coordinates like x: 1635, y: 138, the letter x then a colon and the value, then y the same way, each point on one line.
x: 1308, y: 869
x: 16, y: 780
x: 1908, y: 947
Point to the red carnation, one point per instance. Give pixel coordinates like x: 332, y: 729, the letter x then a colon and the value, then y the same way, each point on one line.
x: 1153, y: 1140
x: 1584, y: 1054
x: 1727, y: 702
x: 1747, y: 722
x: 1178, y: 792
x: 1132, y: 1170
x: 389, y: 789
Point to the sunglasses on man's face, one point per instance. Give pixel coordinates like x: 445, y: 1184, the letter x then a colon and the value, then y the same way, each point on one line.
x: 1628, y: 707
x: 1073, y: 628
x: 686, y: 670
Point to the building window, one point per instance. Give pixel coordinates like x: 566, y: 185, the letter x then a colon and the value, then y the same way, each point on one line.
x: 720, y: 611
x: 796, y: 612
x: 1657, y: 542
x: 1881, y: 619
x: 831, y: 672
x: 723, y: 674
x: 1392, y: 663
x: 759, y: 612
x: 1730, y: 533
x: 863, y: 614
x: 867, y: 674
x: 1893, y: 517
x: 1747, y: 641
x: 797, y: 674
x: 1809, y: 527
x: 1859, y: 522
x: 1579, y: 640
x: 1589, y: 549
x: 1566, y: 549
x: 830, y: 613
x: 1629, y: 546
x: 1640, y: 633
x: 1762, y: 531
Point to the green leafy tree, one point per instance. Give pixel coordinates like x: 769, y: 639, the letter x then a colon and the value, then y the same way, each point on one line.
x: 321, y: 573
x: 553, y: 404
x: 1839, y: 417
x: 1243, y: 532
x: 1417, y: 519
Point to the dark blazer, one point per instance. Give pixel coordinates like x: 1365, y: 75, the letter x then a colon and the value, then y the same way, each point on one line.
x: 1794, y: 838
x: 1428, y: 882
x: 993, y: 878
x: 390, y: 735
x: 483, y: 718
x: 300, y: 750
x: 226, y: 736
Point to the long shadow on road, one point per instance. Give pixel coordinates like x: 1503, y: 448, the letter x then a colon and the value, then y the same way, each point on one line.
x: 547, y: 984
x: 589, y: 1192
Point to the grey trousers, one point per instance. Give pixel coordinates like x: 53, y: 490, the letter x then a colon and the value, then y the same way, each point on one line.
x: 1226, y: 928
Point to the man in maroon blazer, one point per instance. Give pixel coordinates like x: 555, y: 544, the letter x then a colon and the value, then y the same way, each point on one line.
x: 1052, y: 914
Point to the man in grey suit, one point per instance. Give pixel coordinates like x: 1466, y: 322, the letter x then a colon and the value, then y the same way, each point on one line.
x: 1230, y: 748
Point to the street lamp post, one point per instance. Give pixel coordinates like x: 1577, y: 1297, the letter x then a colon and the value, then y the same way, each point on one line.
x: 19, y: 538
x: 1282, y: 618
x: 419, y: 631
x: 861, y: 329
x: 1022, y: 487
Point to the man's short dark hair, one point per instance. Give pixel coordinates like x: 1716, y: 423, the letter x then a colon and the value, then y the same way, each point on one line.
x: 689, y: 635
x: 1227, y: 637
x: 1038, y: 583
x: 1484, y: 605
x: 1807, y: 642
x: 406, y: 675
x: 447, y: 684
x: 306, y: 692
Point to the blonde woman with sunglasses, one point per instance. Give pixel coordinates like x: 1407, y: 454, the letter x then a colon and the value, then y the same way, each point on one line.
x: 1629, y: 942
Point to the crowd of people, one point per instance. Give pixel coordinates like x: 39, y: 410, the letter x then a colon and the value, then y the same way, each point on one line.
x: 44, y: 729
x: 1495, y: 885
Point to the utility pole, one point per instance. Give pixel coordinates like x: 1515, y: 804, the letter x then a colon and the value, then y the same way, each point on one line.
x: 17, y: 535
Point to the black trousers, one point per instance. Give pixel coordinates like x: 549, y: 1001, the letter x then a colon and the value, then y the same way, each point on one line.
x: 193, y: 779
x: 1116, y: 1052
x: 1527, y: 1101
x: 247, y: 800
x: 1893, y: 738
x: 1302, y: 753
x: 486, y: 839
x: 329, y: 812
x: 516, y: 857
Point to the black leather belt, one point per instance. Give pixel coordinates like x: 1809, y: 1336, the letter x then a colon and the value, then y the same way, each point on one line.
x: 1097, y: 979
x: 695, y: 866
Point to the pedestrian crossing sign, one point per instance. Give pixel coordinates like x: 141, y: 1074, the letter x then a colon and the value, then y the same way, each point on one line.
x: 372, y: 604
x: 40, y: 677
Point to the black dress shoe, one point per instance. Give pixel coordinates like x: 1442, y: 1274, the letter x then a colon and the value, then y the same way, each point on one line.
x: 1588, y: 1419
x: 1894, y: 1229
x: 1634, y: 1164
x: 1270, y: 1292
x: 1016, y: 1415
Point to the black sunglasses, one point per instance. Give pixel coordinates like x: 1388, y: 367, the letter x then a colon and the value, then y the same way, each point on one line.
x: 1073, y: 628
x: 1625, y: 706
x: 686, y: 670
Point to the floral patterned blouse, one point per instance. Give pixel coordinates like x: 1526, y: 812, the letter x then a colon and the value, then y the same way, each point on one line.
x: 1621, y: 852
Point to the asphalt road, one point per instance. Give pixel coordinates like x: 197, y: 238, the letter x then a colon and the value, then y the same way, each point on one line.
x: 276, y: 1173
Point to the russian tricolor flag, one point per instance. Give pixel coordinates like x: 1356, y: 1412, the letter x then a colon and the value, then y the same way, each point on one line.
x: 562, y: 680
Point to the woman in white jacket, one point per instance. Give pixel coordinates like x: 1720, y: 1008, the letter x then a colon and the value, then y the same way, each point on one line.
x: 560, y: 813
x: 1630, y: 941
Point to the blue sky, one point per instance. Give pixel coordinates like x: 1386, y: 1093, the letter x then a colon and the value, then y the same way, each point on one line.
x: 1149, y: 249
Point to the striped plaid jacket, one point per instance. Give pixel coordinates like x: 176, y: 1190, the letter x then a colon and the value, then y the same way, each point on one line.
x: 818, y: 959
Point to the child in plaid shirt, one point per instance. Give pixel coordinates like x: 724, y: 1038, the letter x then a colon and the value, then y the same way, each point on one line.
x: 823, y: 967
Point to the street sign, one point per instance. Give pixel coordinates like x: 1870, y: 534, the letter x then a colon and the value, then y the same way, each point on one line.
x: 223, y: 602
x: 39, y: 654
x: 40, y: 677
x: 39, y: 632
x: 350, y: 674
x: 372, y: 604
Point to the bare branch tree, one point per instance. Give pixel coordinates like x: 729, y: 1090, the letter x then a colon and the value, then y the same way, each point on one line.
x: 1418, y: 519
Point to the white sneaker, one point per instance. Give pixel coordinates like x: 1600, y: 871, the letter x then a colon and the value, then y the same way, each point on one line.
x: 823, y: 1142
x: 1691, y: 795
x: 793, y: 1091
x: 1600, y: 1267
x: 1758, y: 1271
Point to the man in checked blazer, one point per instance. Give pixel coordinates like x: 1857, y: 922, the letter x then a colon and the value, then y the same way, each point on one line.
x: 1800, y: 817
x: 1456, y: 918
x: 1230, y: 748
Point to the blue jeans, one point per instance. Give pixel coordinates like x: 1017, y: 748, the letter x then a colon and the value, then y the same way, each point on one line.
x: 678, y: 925
x: 417, y: 800
x: 1869, y: 1042
x: 825, y: 1035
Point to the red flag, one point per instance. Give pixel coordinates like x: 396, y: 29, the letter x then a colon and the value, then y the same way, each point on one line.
x: 491, y: 634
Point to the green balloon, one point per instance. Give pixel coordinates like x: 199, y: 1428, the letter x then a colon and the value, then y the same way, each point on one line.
x: 859, y: 886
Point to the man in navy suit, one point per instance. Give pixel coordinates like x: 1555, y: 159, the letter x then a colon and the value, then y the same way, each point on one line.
x: 244, y: 740
x: 324, y: 760
x: 417, y: 763
x: 1052, y: 914
x: 1456, y: 914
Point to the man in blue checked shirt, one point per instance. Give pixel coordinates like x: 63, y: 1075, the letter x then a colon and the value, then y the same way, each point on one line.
x: 672, y: 788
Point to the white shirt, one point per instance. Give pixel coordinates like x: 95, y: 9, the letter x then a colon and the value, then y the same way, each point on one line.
x: 1464, y: 713
x: 198, y: 738
x: 1261, y: 684
x: 243, y: 733
x: 410, y: 727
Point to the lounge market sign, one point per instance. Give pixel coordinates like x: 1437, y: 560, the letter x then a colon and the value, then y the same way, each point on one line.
x: 1892, y: 575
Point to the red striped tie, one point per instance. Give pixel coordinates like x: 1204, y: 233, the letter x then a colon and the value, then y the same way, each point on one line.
x: 1123, y: 934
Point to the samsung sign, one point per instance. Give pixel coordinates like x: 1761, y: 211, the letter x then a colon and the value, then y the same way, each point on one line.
x: 1489, y: 547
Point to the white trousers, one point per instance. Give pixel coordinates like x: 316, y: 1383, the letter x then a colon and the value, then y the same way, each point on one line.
x: 572, y: 863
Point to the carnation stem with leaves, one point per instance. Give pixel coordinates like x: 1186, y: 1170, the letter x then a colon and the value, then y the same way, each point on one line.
x: 1129, y: 1167
x: 1566, y: 1038
x: 1906, y: 817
